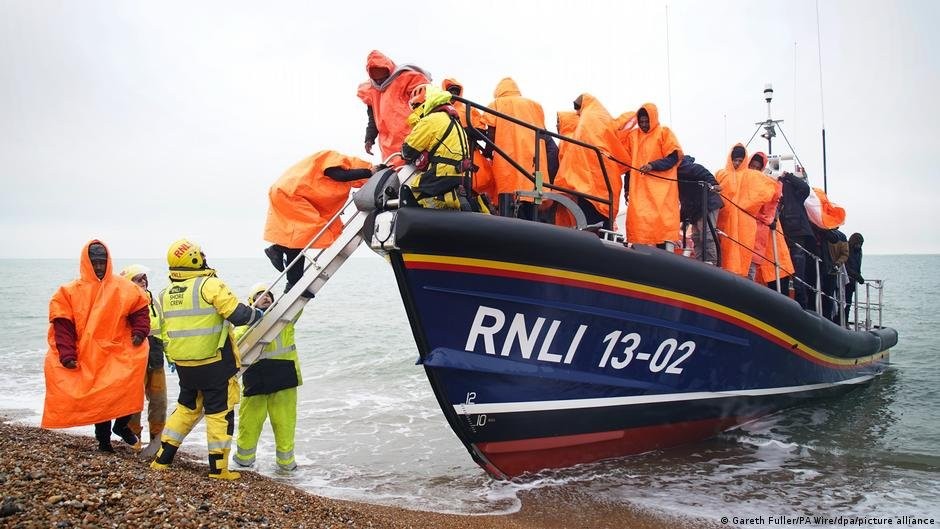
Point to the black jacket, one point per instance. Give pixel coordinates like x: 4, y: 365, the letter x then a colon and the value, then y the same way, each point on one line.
x: 690, y: 192
x: 793, y: 218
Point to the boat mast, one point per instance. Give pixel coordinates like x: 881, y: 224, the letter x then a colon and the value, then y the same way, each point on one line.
x: 769, y: 125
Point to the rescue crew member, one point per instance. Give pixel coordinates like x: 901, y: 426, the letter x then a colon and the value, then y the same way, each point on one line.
x: 270, y: 390
x: 483, y: 182
x: 196, y: 305
x: 155, y: 378
x: 437, y: 145
x: 386, y: 96
x: 95, y: 366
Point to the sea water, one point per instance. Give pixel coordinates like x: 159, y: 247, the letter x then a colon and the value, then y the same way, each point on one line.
x: 369, y: 427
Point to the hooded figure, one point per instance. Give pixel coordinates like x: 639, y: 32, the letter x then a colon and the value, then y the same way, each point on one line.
x: 303, y: 200
x: 580, y: 168
x: 745, y: 191
x: 653, y: 199
x: 98, y: 350
x: 763, y: 259
x: 386, y: 95
x: 518, y: 142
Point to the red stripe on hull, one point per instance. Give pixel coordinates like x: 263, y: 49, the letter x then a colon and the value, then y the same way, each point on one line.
x: 513, y: 458
x: 469, y: 269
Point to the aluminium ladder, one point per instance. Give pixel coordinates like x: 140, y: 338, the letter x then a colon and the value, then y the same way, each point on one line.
x: 321, y: 265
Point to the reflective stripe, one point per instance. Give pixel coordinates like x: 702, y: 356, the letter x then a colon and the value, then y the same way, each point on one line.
x: 176, y: 436
x: 190, y: 312
x: 288, y: 466
x: 276, y: 352
x: 194, y: 332
x: 284, y: 456
x: 219, y: 445
x: 245, y: 451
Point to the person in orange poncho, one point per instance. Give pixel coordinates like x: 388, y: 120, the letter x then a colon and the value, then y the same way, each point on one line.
x: 744, y: 191
x: 565, y: 123
x: 98, y: 326
x: 764, y: 259
x: 483, y: 182
x: 386, y: 96
x: 580, y: 168
x: 303, y: 200
x: 518, y: 142
x: 652, y: 192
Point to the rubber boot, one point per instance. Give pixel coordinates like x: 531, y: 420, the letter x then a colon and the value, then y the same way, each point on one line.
x: 103, y: 436
x: 164, y: 456
x: 276, y: 256
x: 218, y: 466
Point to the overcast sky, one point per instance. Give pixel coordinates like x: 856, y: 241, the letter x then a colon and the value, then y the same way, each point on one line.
x: 140, y: 123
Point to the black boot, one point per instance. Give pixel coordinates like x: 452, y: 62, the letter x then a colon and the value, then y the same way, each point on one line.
x: 103, y: 436
x: 276, y: 255
x: 125, y: 433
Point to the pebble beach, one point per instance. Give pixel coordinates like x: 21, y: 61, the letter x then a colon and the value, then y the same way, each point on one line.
x: 52, y: 479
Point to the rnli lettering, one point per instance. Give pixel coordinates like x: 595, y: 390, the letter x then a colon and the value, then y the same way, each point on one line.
x: 176, y: 294
x: 490, y: 321
x: 539, y: 336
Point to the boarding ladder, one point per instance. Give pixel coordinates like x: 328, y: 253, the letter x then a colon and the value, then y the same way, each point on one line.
x: 321, y: 264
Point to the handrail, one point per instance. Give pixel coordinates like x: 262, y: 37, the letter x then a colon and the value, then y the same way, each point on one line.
x: 540, y: 133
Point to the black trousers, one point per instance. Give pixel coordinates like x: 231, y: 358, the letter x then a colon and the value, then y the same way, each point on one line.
x: 103, y: 429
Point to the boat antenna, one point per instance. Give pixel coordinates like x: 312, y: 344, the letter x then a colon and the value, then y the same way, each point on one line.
x: 822, y: 106
x: 794, y: 85
x: 668, y: 70
x: 770, y: 124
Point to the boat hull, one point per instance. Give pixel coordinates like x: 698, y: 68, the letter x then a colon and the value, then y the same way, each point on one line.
x: 547, y: 347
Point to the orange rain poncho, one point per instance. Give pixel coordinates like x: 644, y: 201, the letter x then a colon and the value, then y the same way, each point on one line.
x: 580, y: 168
x: 566, y: 124
x: 518, y: 142
x: 483, y: 176
x: 304, y: 199
x: 109, y: 380
x: 389, y: 101
x: 653, y: 208
x: 763, y: 245
x: 743, y: 189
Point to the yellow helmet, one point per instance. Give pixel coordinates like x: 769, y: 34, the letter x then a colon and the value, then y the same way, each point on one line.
x: 256, y: 290
x: 185, y: 254
x: 134, y: 270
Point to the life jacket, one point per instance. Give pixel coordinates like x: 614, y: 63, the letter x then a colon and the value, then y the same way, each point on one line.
x: 194, y: 328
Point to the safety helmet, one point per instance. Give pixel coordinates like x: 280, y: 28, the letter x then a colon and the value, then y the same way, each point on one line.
x: 185, y: 254
x: 256, y: 290
x: 418, y: 95
x: 134, y: 270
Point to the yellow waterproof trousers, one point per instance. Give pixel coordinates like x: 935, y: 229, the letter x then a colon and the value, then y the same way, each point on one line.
x: 281, y: 407
x: 155, y: 390
x: 218, y: 405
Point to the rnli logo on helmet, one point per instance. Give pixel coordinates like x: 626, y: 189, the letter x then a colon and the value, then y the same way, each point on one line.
x: 181, y: 250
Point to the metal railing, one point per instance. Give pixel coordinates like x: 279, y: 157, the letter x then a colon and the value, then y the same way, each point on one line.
x: 868, y: 306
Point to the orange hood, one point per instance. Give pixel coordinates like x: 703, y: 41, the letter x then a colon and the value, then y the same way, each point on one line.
x: 506, y: 88
x: 653, y: 114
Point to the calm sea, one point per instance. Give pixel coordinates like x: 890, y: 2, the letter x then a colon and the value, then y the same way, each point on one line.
x: 369, y: 428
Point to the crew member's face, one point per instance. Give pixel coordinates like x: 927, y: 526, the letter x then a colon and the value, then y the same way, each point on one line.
x: 379, y: 75
x: 100, y: 267
x: 736, y: 162
x: 265, y: 301
x: 141, y: 281
x: 643, y: 121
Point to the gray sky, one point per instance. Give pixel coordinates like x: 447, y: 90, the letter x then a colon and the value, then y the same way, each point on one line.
x: 140, y: 123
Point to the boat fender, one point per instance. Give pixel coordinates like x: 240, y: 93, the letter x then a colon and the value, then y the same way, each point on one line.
x: 372, y: 195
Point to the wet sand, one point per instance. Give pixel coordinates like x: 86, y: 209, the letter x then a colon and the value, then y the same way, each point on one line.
x: 52, y: 479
